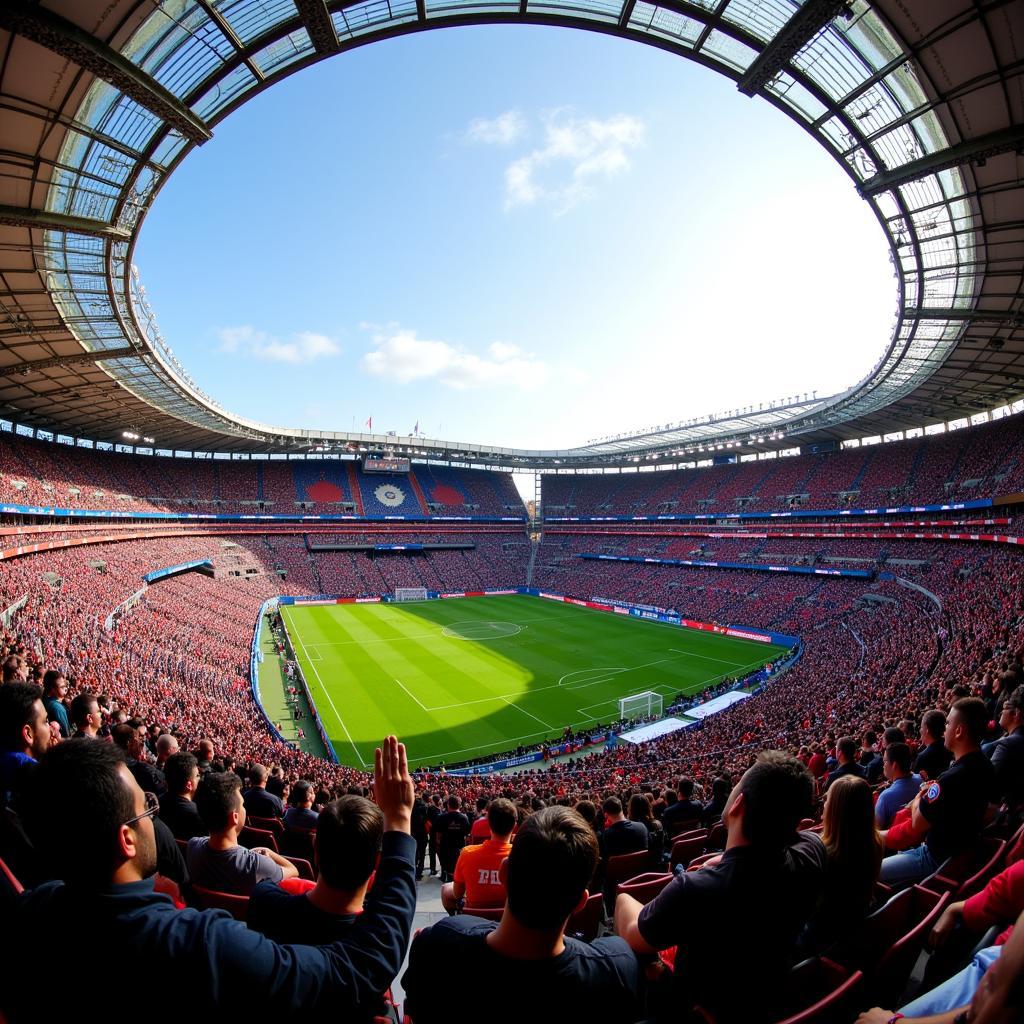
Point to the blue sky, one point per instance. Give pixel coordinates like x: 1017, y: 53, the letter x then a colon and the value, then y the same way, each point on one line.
x: 512, y: 235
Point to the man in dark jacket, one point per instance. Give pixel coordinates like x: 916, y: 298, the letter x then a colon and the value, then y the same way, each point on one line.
x: 92, y: 826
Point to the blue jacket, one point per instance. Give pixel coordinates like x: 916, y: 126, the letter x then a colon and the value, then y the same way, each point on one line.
x: 189, y: 963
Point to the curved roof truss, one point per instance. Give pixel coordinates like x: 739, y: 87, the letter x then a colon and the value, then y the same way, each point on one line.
x: 922, y: 104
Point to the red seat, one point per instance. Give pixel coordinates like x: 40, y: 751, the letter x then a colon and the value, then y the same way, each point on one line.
x: 210, y: 899
x: 624, y: 867
x: 9, y: 883
x: 717, y: 837
x: 299, y: 842
x: 834, y: 1004
x: 968, y: 872
x: 305, y: 868
x: 252, y: 837
x: 585, y: 923
x: 822, y: 990
x: 890, y: 940
x: 645, y: 887
x: 685, y: 848
x: 274, y: 825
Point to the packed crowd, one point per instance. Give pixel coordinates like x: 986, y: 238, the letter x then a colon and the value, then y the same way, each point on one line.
x: 877, y: 678
x: 963, y: 465
x: 48, y: 473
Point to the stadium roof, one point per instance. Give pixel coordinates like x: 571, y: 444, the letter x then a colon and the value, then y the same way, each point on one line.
x: 920, y: 101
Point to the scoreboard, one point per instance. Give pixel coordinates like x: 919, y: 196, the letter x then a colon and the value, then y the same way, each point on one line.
x: 376, y: 463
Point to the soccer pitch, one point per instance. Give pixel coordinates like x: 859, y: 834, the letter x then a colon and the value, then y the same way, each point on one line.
x: 459, y: 679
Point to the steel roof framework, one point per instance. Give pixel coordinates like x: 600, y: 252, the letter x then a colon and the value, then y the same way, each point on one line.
x: 921, y: 103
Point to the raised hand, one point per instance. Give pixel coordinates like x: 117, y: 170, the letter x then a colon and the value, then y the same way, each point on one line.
x: 393, y: 788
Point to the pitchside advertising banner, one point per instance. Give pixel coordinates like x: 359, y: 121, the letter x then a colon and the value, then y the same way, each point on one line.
x: 647, y: 612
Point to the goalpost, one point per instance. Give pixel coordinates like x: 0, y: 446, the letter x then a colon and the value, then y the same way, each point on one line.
x: 410, y: 593
x: 641, y: 705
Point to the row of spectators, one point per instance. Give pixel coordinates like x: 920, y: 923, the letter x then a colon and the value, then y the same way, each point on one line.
x: 47, y: 473
x: 977, y: 463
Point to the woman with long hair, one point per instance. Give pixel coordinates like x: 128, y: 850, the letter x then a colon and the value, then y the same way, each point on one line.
x: 855, y: 847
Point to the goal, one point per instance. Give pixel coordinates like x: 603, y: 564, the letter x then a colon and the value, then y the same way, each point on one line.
x: 410, y: 593
x: 641, y: 705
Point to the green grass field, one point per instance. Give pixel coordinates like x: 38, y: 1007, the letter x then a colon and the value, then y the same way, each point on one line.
x: 459, y: 679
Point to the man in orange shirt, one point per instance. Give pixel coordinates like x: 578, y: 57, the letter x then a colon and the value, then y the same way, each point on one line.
x: 476, y: 871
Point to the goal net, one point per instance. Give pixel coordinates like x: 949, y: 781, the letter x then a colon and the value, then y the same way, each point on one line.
x: 641, y: 705
x: 411, y: 594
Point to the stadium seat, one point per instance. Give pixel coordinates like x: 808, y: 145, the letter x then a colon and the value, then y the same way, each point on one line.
x: 645, y: 887
x: 891, y: 939
x: 210, y: 899
x: 253, y: 837
x: 717, y: 837
x: 625, y: 866
x: 699, y: 862
x: 969, y: 872
x: 304, y: 867
x: 274, y: 825
x: 9, y: 884
x: 685, y: 848
x: 299, y: 842
x: 828, y: 984
x: 817, y: 991
x: 681, y: 828
x: 584, y: 924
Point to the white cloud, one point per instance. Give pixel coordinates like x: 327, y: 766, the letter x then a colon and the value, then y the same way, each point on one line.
x: 301, y: 347
x: 576, y: 153
x: 502, y: 130
x: 400, y: 356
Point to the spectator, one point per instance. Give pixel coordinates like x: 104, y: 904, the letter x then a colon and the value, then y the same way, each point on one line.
x: 301, y: 814
x: 846, y: 755
x: 1008, y: 754
x: 903, y: 784
x: 767, y: 873
x: 166, y: 746
x: 55, y: 688
x: 933, y: 758
x: 217, y: 861
x: 546, y: 875
x: 349, y: 841
x: 15, y: 670
x: 876, y: 766
x: 130, y: 736
x: 91, y: 823
x: 621, y: 835
x: 640, y: 811
x: 204, y: 756
x: 948, y: 814
x: 433, y: 813
x: 24, y: 733
x: 713, y: 809
x: 258, y: 802
x: 686, y: 813
x: 419, y: 833
x: 477, y: 871
x: 480, y: 829
x: 452, y: 828
x: 86, y: 716
x: 177, y: 806
x: 854, y: 850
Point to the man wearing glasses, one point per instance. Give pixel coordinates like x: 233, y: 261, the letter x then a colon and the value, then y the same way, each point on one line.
x: 93, y: 827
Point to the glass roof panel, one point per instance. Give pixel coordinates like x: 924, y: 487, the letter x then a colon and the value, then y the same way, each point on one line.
x: 760, y: 18
x: 284, y: 52
x: 251, y: 18
x: 662, y: 22
x: 729, y: 51
x: 226, y: 91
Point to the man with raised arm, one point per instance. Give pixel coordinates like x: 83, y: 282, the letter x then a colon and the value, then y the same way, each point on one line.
x: 92, y: 827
